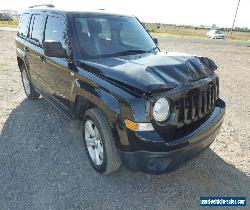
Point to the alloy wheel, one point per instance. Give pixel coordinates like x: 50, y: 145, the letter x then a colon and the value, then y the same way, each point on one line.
x: 94, y: 142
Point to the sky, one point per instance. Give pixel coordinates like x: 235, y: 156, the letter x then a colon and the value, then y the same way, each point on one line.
x: 186, y: 12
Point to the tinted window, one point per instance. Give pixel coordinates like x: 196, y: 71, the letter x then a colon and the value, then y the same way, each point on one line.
x: 37, y: 28
x: 24, y: 25
x: 56, y: 30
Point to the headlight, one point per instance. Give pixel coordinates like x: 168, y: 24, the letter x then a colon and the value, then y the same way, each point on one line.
x: 161, y: 110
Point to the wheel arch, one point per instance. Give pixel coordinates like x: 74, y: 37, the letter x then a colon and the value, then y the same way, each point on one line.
x: 86, y: 96
x: 100, y: 99
x: 103, y: 102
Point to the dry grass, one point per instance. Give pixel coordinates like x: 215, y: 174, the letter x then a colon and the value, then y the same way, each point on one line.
x: 12, y: 24
x: 190, y: 31
x: 167, y: 30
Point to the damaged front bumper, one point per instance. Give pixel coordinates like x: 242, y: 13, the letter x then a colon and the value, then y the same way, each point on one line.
x: 176, y: 153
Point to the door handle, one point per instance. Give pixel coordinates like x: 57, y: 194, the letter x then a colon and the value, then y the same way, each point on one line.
x: 26, y: 49
x: 42, y: 58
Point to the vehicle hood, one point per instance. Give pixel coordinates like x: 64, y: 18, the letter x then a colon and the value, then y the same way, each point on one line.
x: 151, y: 72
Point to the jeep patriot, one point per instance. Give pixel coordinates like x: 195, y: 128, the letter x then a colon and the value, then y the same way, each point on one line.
x: 137, y: 106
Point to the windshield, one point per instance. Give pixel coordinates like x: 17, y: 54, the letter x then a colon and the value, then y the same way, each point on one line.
x: 100, y: 36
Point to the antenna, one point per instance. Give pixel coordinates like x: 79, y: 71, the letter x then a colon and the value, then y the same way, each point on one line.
x: 235, y: 17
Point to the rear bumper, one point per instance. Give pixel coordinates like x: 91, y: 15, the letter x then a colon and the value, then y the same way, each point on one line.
x: 161, y: 162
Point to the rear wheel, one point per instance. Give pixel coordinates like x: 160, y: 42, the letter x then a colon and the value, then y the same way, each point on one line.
x: 99, y: 142
x: 29, y: 90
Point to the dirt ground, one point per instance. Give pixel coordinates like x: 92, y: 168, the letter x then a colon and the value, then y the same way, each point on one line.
x: 43, y: 164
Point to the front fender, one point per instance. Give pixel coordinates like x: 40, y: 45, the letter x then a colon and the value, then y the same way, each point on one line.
x: 107, y: 103
x: 98, y: 97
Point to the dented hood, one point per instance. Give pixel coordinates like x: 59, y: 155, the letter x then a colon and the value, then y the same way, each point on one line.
x: 151, y: 72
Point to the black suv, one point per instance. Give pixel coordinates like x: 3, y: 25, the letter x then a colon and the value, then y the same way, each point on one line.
x: 147, y: 109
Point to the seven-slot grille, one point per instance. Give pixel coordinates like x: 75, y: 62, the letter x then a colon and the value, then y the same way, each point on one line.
x: 197, y: 104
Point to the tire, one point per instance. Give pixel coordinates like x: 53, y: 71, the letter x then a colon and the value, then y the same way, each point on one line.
x: 29, y: 90
x: 106, y: 161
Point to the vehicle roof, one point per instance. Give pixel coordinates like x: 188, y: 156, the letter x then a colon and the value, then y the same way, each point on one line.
x: 65, y: 12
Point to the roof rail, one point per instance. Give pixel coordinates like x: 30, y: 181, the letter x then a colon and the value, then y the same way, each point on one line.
x: 42, y: 5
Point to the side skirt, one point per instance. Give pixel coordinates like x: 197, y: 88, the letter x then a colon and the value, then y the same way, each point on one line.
x: 58, y: 105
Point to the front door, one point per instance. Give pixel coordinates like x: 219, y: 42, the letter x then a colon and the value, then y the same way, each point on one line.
x: 57, y: 70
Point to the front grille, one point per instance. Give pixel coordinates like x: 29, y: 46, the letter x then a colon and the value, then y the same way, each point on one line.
x: 197, y: 104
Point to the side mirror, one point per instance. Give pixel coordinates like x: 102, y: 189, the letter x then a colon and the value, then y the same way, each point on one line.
x: 155, y: 40
x: 54, y: 49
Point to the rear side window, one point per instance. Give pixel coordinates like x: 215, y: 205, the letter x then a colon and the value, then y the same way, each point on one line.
x: 56, y: 30
x: 24, y: 25
x: 37, y: 28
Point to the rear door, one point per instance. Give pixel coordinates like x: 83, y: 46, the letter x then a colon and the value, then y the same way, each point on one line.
x: 35, y: 49
x: 22, y: 35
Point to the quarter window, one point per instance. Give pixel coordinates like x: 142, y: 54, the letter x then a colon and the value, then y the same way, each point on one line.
x: 24, y: 25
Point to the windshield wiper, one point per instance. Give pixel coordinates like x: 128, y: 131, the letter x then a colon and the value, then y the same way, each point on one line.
x: 151, y: 50
x: 127, y: 52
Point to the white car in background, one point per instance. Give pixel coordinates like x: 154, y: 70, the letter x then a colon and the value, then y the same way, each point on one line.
x: 216, y: 34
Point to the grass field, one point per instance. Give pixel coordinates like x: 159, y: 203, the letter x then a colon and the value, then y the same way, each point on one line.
x: 162, y: 29
x: 191, y: 31
x: 12, y: 24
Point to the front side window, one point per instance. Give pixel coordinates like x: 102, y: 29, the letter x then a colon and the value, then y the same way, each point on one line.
x: 56, y: 30
x: 106, y: 35
x: 37, y: 28
x: 24, y: 24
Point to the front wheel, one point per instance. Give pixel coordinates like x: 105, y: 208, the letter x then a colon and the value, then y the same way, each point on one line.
x: 99, y: 142
x: 29, y: 90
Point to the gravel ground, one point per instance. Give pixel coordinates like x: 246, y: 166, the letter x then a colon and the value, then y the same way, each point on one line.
x: 43, y: 164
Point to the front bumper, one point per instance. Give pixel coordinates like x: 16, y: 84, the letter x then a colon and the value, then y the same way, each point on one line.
x: 174, y: 155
